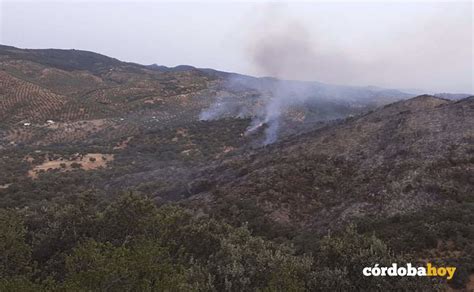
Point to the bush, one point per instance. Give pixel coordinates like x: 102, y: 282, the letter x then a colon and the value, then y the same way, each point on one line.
x: 76, y: 165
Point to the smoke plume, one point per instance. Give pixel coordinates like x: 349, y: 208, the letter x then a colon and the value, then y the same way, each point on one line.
x: 277, y: 46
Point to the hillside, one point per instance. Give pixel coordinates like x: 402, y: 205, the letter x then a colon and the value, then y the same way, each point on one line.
x: 78, y: 86
x: 392, y: 161
x: 402, y: 171
x: 103, y: 159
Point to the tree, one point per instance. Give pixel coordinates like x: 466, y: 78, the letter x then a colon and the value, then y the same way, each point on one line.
x: 15, y: 253
x: 144, y: 266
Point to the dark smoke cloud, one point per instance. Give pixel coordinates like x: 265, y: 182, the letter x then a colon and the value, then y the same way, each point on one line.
x: 430, y: 50
x: 282, y: 46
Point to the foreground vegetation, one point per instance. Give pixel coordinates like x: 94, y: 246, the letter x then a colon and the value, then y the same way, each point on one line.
x: 131, y: 245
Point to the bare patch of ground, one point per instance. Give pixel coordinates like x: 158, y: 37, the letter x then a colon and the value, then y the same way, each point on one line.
x: 225, y: 149
x: 87, y: 162
x: 123, y: 144
x: 281, y: 216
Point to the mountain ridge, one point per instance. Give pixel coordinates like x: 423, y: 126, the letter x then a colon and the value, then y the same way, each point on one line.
x: 69, y: 59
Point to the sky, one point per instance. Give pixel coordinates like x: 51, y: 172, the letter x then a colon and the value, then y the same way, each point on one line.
x: 404, y: 45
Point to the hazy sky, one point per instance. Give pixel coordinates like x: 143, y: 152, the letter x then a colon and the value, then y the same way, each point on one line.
x: 392, y: 44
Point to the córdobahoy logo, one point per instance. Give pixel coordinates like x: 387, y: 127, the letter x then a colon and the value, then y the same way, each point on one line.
x: 409, y: 270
